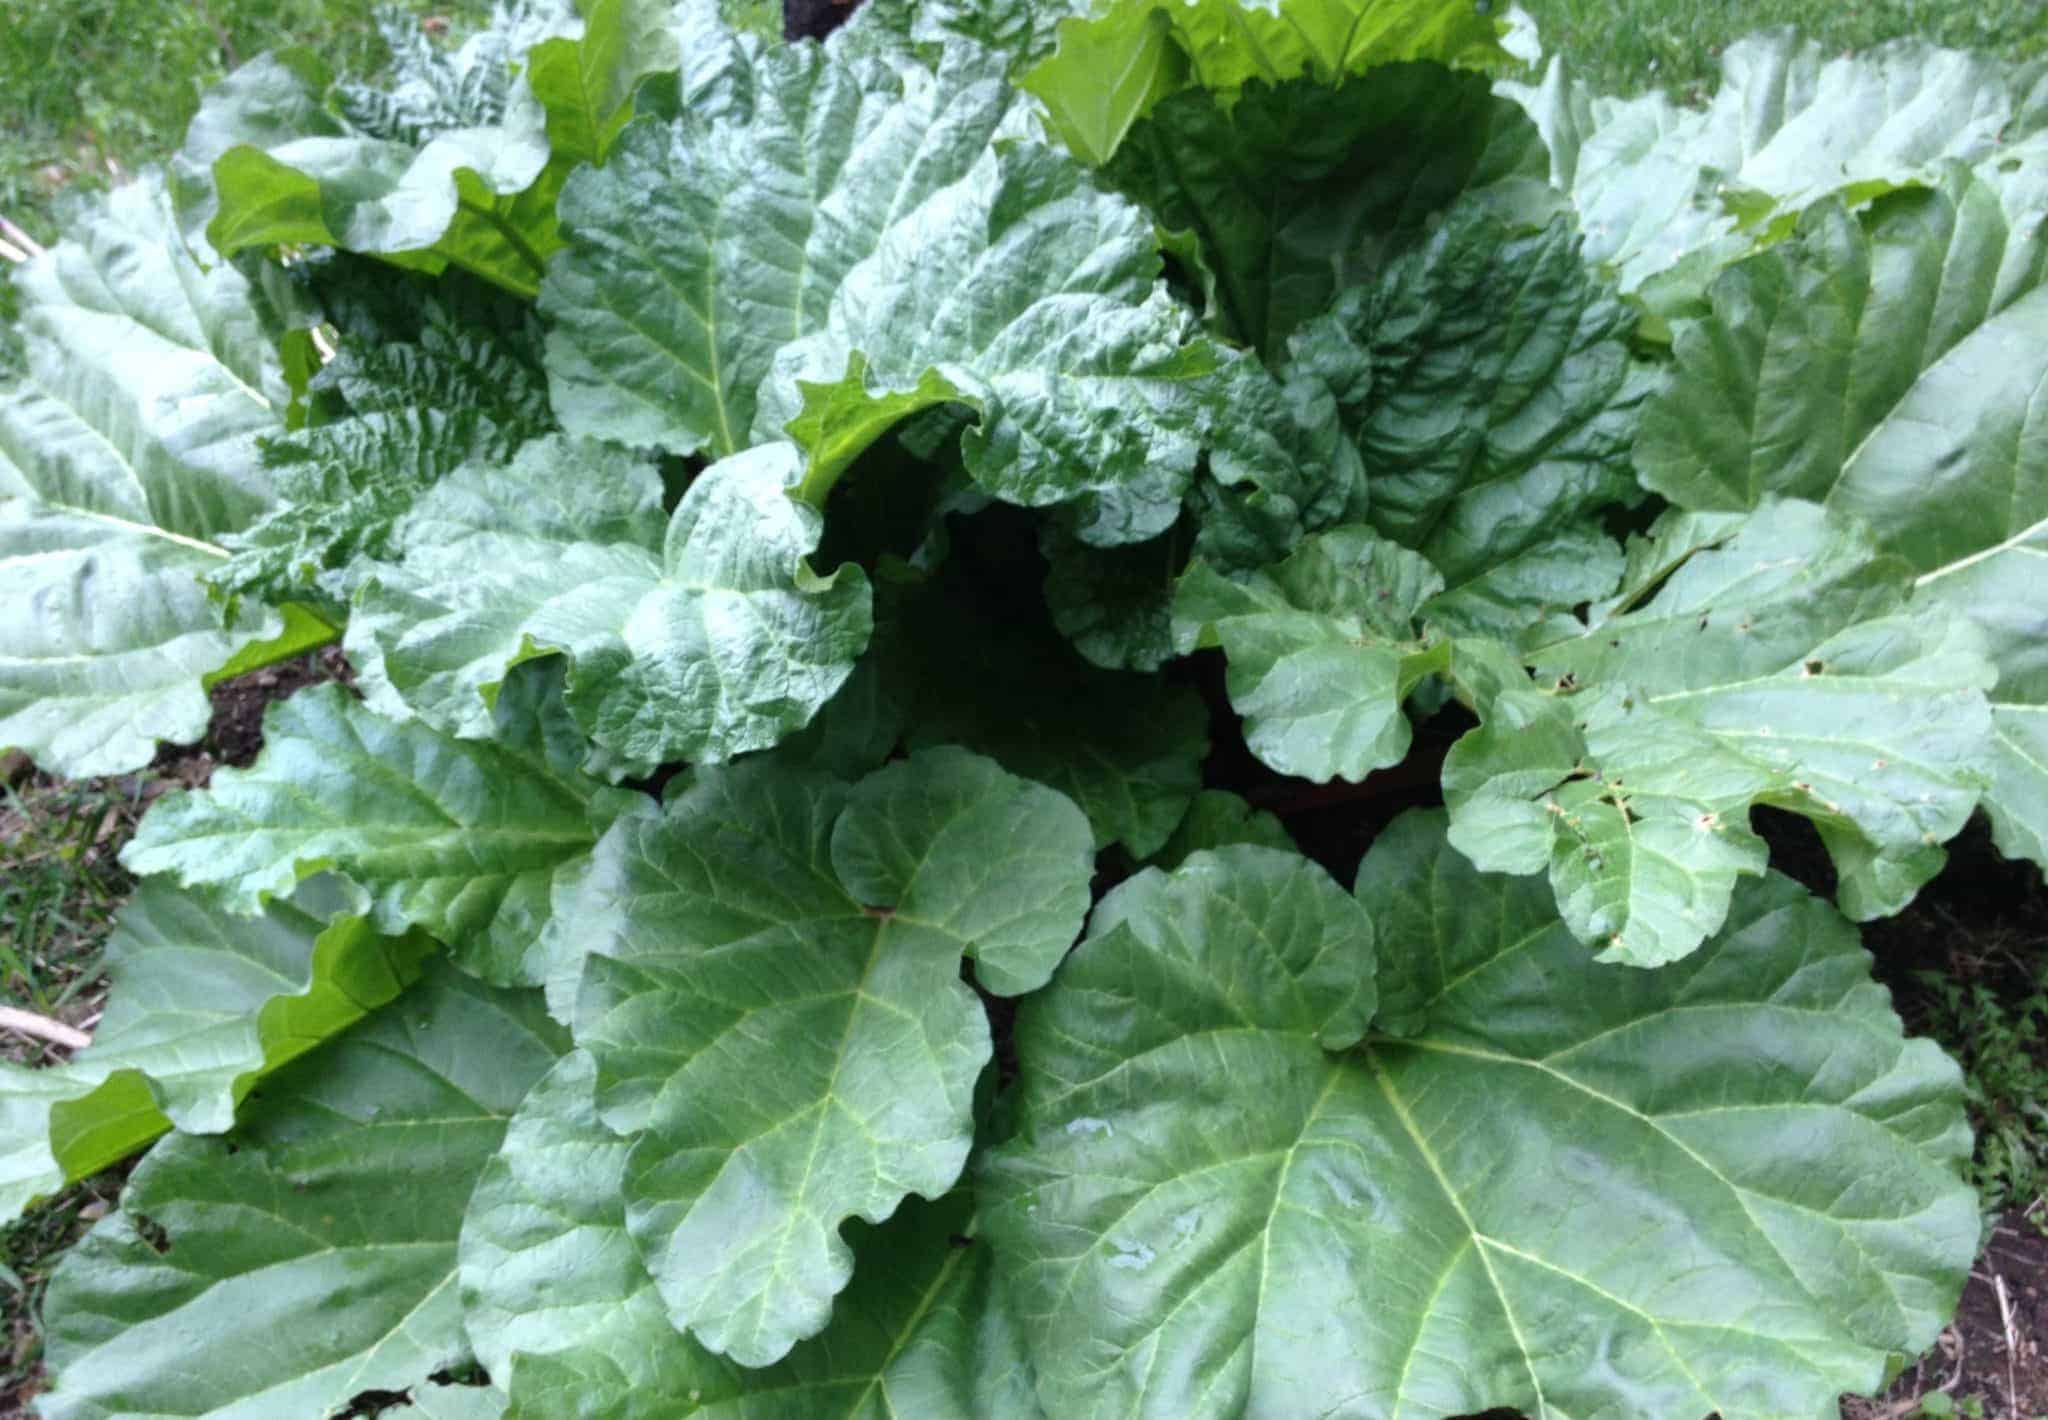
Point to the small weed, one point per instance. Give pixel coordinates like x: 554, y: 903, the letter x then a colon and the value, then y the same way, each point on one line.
x: 1940, y: 1405
x: 1994, y: 1020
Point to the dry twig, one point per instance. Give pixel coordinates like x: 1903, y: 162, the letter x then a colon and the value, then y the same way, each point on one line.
x: 19, y: 239
x: 43, y: 1028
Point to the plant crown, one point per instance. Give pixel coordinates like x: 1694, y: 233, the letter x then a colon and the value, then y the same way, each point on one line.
x: 808, y: 523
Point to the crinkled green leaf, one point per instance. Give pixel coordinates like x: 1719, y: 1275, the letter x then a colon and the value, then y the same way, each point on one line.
x: 1668, y: 196
x: 312, y: 1256
x: 708, y: 242
x: 447, y: 166
x: 1486, y: 379
x: 772, y: 997
x: 457, y: 381
x: 1022, y: 31
x: 1281, y: 464
x: 463, y: 838
x: 705, y: 642
x: 127, y: 451
x: 202, y: 1005
x: 1027, y: 294
x: 557, y: 1300
x: 1776, y: 662
x: 1299, y: 190
x: 108, y: 635
x: 1891, y: 366
x: 1115, y: 66
x: 1322, y: 649
x: 1128, y: 749
x: 1486, y: 1210
x: 1114, y: 604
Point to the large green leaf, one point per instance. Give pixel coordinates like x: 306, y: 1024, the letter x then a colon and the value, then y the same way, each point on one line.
x: 1668, y: 195
x: 1768, y: 658
x: 1486, y: 378
x: 450, y: 165
x: 1113, y: 67
x: 1323, y: 650
x: 461, y: 837
x: 1891, y: 366
x: 1728, y: 1186
x: 311, y: 1257
x: 707, y: 641
x: 1299, y: 190
x: 127, y: 452
x: 772, y: 996
x: 707, y: 243
x: 202, y: 1005
x: 558, y: 1303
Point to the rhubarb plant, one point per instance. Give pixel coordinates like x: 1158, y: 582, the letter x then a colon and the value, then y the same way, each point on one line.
x: 855, y: 555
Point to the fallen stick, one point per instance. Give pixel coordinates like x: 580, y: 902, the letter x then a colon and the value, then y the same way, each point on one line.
x: 17, y: 238
x: 43, y: 1028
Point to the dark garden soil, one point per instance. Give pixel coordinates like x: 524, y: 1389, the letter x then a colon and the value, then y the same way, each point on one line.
x: 238, y: 705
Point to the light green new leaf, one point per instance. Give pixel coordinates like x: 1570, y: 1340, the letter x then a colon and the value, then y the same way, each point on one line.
x: 201, y: 1006
x: 586, y: 84
x: 1668, y: 196
x: 449, y: 166
x: 772, y: 996
x: 708, y: 641
x: 1769, y: 658
x: 312, y: 1257
x: 1113, y: 67
x: 1728, y: 1186
x: 127, y: 451
x: 708, y: 242
x: 1322, y: 649
x: 1486, y: 379
x: 1891, y: 366
x: 1286, y: 198
x: 557, y: 1301
x: 463, y: 838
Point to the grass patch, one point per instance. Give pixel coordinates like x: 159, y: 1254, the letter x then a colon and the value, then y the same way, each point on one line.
x: 1992, y: 1016
x: 1627, y: 46
x: 60, y: 885
x: 96, y: 88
